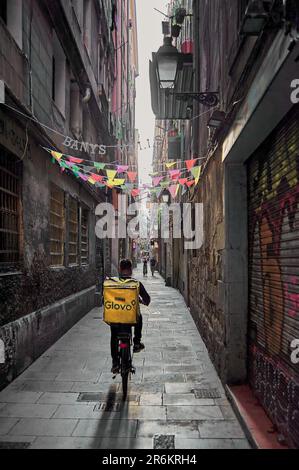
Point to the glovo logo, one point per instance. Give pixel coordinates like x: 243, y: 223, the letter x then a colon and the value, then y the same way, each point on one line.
x: 116, y: 306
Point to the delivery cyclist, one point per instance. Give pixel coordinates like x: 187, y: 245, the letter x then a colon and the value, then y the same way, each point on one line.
x: 125, y: 272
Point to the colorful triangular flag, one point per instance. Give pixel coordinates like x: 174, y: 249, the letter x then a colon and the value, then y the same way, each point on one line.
x: 196, y: 171
x: 75, y: 160
x: 132, y: 175
x: 157, y: 180
x: 173, y: 189
x: 170, y: 165
x: 111, y: 174
x: 122, y: 168
x: 56, y: 155
x: 174, y: 174
x: 190, y: 164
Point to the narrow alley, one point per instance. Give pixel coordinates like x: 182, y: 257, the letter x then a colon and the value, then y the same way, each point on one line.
x: 59, y: 402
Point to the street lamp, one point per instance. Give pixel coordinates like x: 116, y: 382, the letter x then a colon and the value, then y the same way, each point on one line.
x: 256, y: 17
x: 217, y: 119
x: 168, y: 64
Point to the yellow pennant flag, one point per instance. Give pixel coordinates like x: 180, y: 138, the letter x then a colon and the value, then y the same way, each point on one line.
x: 170, y: 165
x: 118, y: 182
x: 91, y: 180
x: 111, y: 174
x: 56, y: 155
x: 196, y: 172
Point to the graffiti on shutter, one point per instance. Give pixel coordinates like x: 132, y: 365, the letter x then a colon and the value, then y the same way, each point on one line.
x: 273, y: 175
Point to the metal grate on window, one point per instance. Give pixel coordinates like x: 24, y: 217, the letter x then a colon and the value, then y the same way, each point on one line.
x: 9, y: 209
x: 73, y: 224
x: 57, y: 226
x: 84, y: 236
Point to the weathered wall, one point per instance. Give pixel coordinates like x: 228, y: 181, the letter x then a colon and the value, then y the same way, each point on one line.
x: 27, y: 338
x: 206, y: 277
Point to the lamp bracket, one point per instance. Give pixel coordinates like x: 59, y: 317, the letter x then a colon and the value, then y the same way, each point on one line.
x: 209, y: 98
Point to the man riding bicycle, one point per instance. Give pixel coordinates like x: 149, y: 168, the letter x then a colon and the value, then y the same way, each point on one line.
x: 125, y: 272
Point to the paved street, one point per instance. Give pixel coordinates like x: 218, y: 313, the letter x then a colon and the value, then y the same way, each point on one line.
x: 58, y: 402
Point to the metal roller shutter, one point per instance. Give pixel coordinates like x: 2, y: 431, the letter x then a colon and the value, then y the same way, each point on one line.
x: 273, y: 176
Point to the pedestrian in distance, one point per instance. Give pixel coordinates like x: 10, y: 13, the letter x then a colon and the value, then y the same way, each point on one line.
x: 153, y: 265
x: 145, y: 261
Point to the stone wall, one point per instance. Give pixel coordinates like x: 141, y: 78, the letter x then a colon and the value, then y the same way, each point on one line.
x: 30, y: 336
x: 206, y: 283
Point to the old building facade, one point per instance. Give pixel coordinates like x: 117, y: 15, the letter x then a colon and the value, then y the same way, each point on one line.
x: 243, y: 282
x: 58, y: 69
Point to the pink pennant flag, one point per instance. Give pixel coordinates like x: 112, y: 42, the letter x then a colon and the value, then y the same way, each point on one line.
x: 190, y: 164
x: 97, y: 178
x: 183, y: 181
x: 83, y: 177
x: 122, y: 168
x: 157, y: 180
x: 135, y: 192
x: 173, y: 190
x: 190, y: 183
x: 174, y: 174
x: 75, y: 160
x: 132, y: 175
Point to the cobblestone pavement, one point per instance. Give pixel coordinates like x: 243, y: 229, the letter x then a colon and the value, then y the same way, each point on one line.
x: 168, y: 396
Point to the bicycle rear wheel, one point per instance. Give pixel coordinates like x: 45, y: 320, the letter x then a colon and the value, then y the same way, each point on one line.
x: 125, y: 367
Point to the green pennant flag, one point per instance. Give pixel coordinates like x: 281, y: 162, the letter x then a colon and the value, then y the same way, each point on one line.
x: 196, y: 171
x: 164, y: 184
x: 99, y: 166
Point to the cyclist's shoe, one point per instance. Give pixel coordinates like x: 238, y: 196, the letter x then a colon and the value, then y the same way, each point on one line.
x: 138, y: 347
x: 115, y: 368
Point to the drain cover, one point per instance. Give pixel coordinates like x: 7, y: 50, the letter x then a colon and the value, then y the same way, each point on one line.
x: 109, y: 407
x: 104, y: 397
x: 164, y: 441
x: 206, y: 393
x: 14, y: 445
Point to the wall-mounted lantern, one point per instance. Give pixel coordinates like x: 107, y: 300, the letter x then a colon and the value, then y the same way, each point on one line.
x: 256, y: 17
x: 217, y: 119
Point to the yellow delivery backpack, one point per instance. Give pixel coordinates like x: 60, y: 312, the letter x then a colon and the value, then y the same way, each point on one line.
x: 121, y: 301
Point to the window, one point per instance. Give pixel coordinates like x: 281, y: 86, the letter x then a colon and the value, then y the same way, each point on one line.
x: 76, y: 111
x: 11, y: 14
x: 3, y: 10
x: 84, y: 236
x: 58, y: 75
x: 57, y: 226
x: 73, y: 231
x: 10, y: 168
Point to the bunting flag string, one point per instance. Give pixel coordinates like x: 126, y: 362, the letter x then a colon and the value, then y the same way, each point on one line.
x: 171, y: 181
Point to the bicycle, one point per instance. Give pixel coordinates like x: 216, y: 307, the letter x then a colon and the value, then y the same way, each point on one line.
x: 125, y: 359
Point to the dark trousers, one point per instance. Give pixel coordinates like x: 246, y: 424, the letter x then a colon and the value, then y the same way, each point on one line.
x: 115, y: 330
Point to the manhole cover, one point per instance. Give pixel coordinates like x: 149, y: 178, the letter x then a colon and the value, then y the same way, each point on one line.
x: 14, y: 445
x: 164, y: 441
x: 107, y: 407
x: 104, y: 397
x: 206, y: 393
